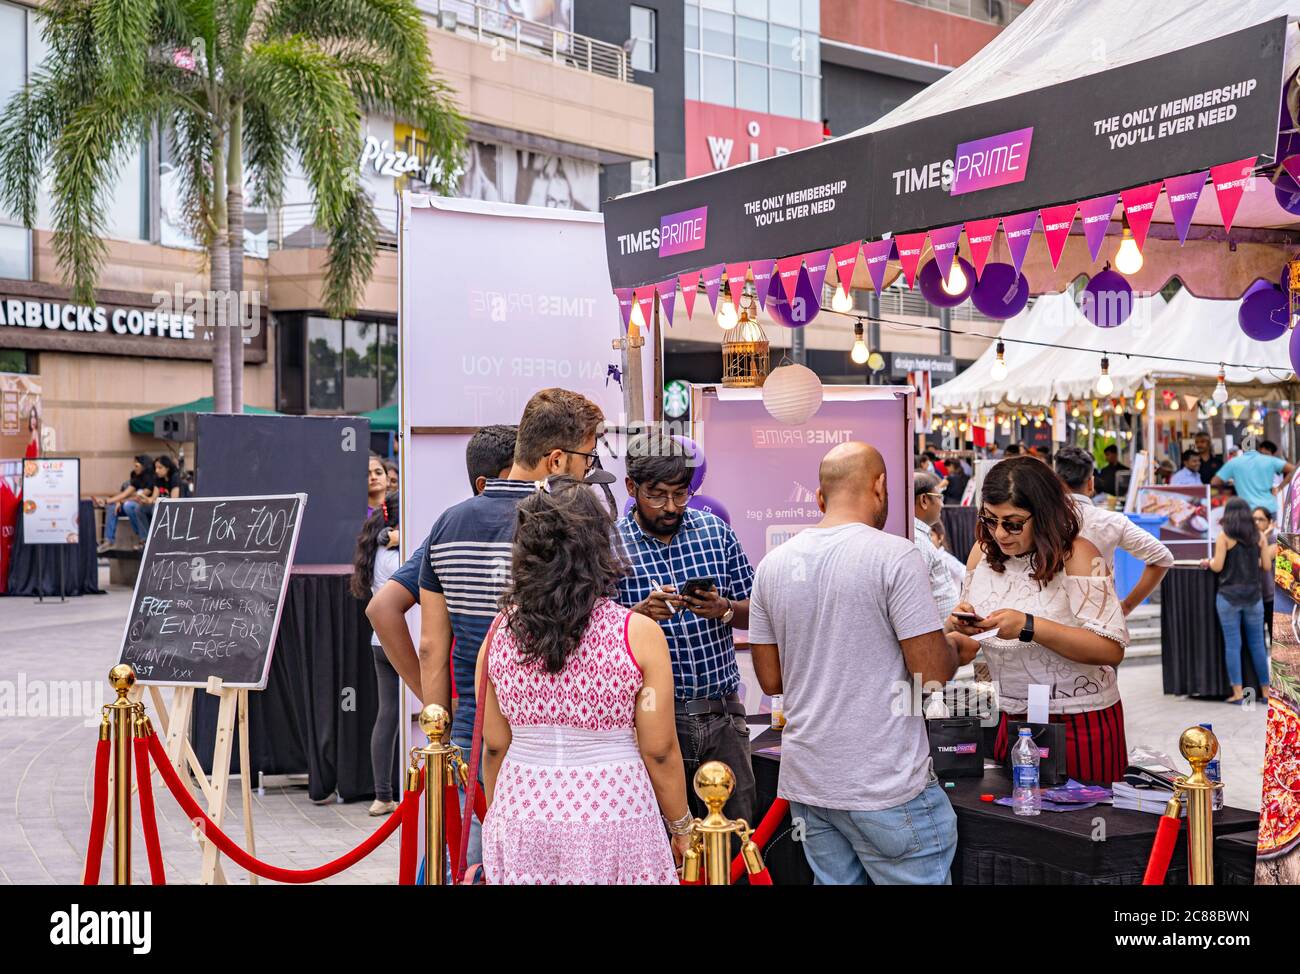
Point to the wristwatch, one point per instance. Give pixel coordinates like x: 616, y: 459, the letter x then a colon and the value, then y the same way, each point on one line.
x: 730, y: 613
x: 1027, y: 633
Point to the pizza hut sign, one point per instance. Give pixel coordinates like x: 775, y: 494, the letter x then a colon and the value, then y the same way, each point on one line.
x: 389, y: 161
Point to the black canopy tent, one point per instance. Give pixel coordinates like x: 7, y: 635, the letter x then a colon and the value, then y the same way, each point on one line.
x: 1092, y: 130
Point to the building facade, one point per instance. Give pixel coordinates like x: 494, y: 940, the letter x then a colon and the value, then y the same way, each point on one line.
x: 546, y: 109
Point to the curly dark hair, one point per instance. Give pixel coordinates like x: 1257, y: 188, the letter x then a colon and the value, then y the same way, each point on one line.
x: 565, y: 560
x: 1030, y: 485
x: 382, y: 518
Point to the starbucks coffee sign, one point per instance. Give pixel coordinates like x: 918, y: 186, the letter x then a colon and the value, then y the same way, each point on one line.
x: 63, y: 316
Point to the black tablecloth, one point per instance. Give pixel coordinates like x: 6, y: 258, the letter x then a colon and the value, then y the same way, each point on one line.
x: 34, y: 569
x: 959, y: 526
x: 1191, y: 641
x: 995, y: 846
x: 1234, y: 858
x: 321, y: 699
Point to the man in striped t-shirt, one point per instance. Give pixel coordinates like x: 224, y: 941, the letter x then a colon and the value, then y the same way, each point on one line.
x: 468, y: 561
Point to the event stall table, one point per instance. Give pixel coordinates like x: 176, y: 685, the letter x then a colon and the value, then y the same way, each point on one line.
x: 1191, y: 642
x: 32, y: 572
x: 959, y: 526
x: 321, y: 698
x: 996, y: 847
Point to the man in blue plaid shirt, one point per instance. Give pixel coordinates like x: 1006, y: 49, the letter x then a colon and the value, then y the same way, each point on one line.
x: 667, y: 545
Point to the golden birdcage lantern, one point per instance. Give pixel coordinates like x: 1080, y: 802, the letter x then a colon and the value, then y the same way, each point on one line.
x: 745, y: 357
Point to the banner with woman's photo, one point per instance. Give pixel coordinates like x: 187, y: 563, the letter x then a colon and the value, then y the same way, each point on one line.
x: 1188, y: 528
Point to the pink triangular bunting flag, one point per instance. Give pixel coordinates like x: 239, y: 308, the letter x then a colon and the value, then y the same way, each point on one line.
x: 979, y: 238
x: 1018, y: 228
x: 1096, y: 218
x: 910, y: 246
x: 667, y: 298
x: 1057, y: 221
x: 876, y: 254
x: 690, y: 284
x: 1183, y: 193
x: 736, y: 274
x: 764, y: 272
x: 712, y: 277
x: 1139, y: 207
x: 645, y: 299
x: 846, y: 259
x: 787, y: 268
x: 1230, y: 181
x: 943, y: 241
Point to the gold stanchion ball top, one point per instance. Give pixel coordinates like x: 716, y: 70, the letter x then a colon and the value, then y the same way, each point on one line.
x: 434, y: 721
x: 714, y: 783
x: 1198, y: 745
x: 122, y: 678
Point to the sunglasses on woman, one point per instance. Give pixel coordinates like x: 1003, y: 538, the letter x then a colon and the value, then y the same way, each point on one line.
x: 1010, y: 527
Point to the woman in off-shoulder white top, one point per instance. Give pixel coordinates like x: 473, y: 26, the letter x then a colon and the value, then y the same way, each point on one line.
x: 1049, y: 596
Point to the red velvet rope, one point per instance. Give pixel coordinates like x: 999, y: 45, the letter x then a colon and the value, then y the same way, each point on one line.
x: 242, y: 858
x: 98, y: 815
x: 1162, y: 850
x: 148, y: 821
x: 407, y: 853
x: 451, y: 816
x: 762, y: 835
x: 760, y: 878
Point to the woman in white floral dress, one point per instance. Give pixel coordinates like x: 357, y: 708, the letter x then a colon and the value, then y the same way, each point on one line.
x: 1049, y: 595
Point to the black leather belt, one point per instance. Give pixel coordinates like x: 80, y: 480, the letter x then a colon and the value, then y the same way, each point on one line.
x: 697, y: 708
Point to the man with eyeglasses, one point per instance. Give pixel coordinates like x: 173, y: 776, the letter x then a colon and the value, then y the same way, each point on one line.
x: 927, y: 509
x: 669, y: 545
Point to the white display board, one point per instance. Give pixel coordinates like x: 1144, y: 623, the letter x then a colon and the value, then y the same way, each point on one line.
x: 51, y: 497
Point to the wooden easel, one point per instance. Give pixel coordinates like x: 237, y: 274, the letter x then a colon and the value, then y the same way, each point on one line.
x: 173, y: 726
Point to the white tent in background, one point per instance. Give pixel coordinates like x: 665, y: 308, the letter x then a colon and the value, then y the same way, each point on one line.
x: 1188, y: 328
x: 974, y: 387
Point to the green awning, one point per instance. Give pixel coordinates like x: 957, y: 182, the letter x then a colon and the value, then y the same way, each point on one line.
x: 143, y: 424
x: 383, y: 419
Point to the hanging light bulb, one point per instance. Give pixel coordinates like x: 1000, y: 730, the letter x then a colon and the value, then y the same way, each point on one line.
x: 1096, y: 409
x: 1220, y: 395
x: 1104, y: 385
x: 1173, y: 404
x: 1128, y: 259
x: 956, y: 282
x: 842, y: 301
x: 1214, y: 411
x: 875, y: 361
x: 1118, y: 406
x: 998, y: 370
x: 859, y: 354
x: 1074, y: 411
x: 728, y: 317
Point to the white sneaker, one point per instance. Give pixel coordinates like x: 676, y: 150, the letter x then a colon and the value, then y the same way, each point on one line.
x: 382, y: 808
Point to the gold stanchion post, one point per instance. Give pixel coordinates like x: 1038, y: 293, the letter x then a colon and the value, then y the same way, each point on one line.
x: 1199, y: 746
x: 440, y: 759
x: 711, y: 838
x: 122, y: 678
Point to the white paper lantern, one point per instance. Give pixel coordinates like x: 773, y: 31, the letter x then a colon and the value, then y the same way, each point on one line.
x: 792, y: 394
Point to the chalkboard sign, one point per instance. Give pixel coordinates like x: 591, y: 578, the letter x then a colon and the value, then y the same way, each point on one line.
x: 211, y: 588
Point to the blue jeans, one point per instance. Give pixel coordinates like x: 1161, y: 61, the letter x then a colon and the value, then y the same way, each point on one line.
x: 132, y: 511
x: 1231, y: 619
x: 908, y: 845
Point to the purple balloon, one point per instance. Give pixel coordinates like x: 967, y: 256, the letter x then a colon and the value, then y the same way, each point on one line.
x: 629, y: 506
x: 931, y: 283
x: 710, y: 505
x: 1287, y: 191
x: 1000, y: 292
x: 697, y: 471
x: 1264, y: 315
x: 1107, y: 301
x: 807, y: 302
x: 1260, y: 285
x: 1295, y: 351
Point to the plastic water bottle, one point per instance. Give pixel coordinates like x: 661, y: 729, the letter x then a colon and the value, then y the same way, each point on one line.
x: 1024, y: 775
x: 1214, y: 772
x: 778, y: 712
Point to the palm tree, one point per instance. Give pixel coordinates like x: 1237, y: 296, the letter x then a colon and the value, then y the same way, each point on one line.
x: 243, y: 87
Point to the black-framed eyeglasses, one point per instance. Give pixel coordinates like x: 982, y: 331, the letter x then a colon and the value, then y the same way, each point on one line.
x: 592, y: 458
x: 658, y: 501
x: 1010, y: 527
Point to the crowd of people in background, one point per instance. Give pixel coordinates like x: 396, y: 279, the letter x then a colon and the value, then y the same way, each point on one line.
x: 593, y: 654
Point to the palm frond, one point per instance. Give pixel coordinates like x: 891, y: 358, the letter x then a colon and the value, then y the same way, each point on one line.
x: 29, y: 125
x: 351, y: 253
x: 267, y: 151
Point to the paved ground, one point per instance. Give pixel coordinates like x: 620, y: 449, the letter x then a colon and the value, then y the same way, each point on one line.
x: 45, y: 760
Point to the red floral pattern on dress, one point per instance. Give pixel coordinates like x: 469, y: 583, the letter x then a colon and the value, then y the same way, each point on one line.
x: 574, y: 823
